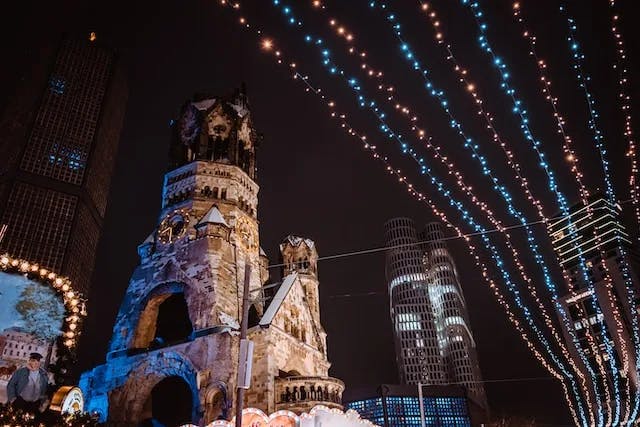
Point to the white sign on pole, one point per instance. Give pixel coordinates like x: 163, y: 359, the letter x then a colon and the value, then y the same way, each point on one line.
x: 244, y: 367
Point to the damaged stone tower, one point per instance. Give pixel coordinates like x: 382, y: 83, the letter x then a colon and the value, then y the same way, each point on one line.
x: 174, y: 352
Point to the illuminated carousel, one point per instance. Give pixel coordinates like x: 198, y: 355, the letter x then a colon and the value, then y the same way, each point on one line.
x: 319, y: 415
x: 40, y: 312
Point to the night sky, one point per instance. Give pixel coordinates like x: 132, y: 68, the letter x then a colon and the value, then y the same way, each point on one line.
x: 319, y: 183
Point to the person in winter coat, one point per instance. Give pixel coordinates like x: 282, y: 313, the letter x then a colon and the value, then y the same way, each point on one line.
x: 27, y: 388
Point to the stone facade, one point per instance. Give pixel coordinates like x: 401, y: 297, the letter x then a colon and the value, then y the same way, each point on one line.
x: 207, y: 235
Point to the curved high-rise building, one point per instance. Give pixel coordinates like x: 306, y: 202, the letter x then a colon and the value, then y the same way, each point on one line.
x: 454, y: 335
x: 416, y: 340
x: 434, y: 344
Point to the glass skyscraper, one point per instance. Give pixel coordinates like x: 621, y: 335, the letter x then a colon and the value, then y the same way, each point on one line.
x: 433, y: 341
x: 595, y: 250
x: 59, y: 137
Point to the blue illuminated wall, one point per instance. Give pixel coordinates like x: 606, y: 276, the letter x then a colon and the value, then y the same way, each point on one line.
x: 405, y: 411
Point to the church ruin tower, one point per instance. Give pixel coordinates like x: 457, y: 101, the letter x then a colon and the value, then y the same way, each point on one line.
x: 291, y: 344
x: 173, y: 355
x: 299, y: 255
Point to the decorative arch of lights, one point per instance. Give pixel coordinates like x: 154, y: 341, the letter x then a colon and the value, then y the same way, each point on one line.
x: 74, y: 303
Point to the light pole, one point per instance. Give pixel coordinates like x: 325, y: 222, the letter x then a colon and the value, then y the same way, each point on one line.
x: 246, y: 347
x: 422, y: 420
x: 243, y: 335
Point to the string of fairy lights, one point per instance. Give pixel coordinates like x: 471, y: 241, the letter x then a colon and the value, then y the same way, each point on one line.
x: 624, y: 99
x: 335, y: 69
x: 502, y: 67
x: 568, y: 152
x: 541, y: 64
x: 546, y: 92
x: 411, y: 56
x: 469, y: 87
x: 389, y: 168
x: 499, y: 261
x: 584, y: 81
x: 462, y: 73
x: 579, y: 401
x: 608, y: 280
x: 616, y: 313
x: 621, y: 65
x: 341, y: 30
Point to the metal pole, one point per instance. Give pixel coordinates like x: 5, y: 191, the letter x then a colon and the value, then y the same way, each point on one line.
x: 422, y: 420
x: 243, y: 335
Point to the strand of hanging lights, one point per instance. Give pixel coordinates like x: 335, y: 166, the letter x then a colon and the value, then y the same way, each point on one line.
x: 270, y: 45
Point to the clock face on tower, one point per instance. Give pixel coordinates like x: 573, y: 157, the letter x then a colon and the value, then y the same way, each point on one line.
x: 173, y: 226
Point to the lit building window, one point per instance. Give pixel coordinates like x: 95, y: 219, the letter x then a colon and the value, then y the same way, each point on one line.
x: 409, y: 322
x: 454, y: 320
x: 57, y: 85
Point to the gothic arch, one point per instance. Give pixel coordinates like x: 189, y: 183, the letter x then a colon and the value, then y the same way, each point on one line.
x: 132, y: 400
x: 148, y: 307
x: 217, y: 402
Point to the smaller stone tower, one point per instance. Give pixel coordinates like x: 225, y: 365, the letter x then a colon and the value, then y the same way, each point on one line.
x: 299, y: 255
x: 290, y: 359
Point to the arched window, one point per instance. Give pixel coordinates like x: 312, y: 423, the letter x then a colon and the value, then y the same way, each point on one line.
x: 173, y: 323
x: 164, y: 319
x: 171, y: 402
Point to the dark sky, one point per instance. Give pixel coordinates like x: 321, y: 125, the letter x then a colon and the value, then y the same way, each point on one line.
x: 317, y: 182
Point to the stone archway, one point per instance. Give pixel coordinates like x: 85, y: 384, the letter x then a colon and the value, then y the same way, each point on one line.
x: 132, y: 403
x: 149, y: 308
x: 170, y: 403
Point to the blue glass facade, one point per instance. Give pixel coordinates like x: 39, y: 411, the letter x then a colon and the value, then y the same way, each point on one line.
x: 404, y: 411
